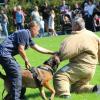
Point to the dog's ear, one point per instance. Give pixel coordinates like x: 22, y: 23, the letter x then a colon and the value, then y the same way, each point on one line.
x: 56, y: 58
x: 48, y: 62
x: 45, y: 62
x: 55, y: 62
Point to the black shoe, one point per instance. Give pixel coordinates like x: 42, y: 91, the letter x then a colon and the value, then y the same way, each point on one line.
x: 96, y: 89
x: 64, y: 96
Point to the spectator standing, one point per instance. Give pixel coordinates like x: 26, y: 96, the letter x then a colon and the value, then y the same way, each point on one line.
x: 63, y: 9
x: 77, y: 11
x: 51, y: 23
x: 91, y: 7
x: 35, y: 16
x: 45, y: 10
x: 97, y: 9
x: 19, y: 18
x: 4, y: 23
x: 14, y: 16
x: 88, y: 10
x: 41, y: 27
x: 0, y: 29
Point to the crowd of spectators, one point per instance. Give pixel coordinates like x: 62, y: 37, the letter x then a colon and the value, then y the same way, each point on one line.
x: 46, y: 16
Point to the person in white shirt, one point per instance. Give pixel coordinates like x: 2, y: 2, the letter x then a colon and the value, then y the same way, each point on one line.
x: 51, y: 24
x: 35, y: 16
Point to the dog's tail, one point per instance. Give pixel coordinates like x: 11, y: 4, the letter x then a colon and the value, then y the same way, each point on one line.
x: 2, y: 76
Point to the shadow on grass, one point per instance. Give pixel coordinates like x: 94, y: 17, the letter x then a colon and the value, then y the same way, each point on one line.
x: 35, y: 96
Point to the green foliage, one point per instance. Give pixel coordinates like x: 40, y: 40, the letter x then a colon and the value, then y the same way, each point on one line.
x: 27, y: 4
x: 12, y: 3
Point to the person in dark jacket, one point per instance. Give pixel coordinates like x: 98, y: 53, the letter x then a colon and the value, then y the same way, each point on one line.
x: 14, y: 44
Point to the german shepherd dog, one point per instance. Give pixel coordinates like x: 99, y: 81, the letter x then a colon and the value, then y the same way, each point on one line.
x: 38, y: 77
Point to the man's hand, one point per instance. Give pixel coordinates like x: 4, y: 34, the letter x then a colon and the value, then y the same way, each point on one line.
x: 23, y: 55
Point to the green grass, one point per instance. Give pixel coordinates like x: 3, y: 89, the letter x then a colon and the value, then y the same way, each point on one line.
x: 36, y: 59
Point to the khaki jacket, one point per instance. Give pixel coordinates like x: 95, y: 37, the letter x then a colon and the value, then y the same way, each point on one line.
x: 82, y: 47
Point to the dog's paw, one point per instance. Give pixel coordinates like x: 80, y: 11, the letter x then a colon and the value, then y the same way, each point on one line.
x: 50, y: 99
x: 44, y: 99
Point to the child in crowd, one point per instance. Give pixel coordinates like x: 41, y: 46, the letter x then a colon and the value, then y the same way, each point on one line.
x: 51, y: 23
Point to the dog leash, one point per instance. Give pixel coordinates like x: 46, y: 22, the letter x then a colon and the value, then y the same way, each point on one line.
x: 47, y: 69
x: 35, y: 76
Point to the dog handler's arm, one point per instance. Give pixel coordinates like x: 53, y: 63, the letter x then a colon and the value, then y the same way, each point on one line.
x: 42, y: 50
x: 23, y: 55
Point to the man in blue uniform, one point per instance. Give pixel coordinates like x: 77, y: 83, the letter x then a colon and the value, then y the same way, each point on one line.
x: 15, y: 44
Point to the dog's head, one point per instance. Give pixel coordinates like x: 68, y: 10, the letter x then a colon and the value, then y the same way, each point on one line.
x: 53, y: 62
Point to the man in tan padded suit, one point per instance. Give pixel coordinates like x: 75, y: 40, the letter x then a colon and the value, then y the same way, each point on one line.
x: 82, y: 49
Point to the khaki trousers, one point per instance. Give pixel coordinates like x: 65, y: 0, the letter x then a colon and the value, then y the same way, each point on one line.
x: 73, y: 79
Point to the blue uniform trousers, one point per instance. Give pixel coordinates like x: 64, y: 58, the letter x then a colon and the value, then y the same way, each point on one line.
x: 12, y: 70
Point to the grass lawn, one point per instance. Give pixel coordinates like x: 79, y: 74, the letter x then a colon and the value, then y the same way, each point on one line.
x: 36, y: 59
